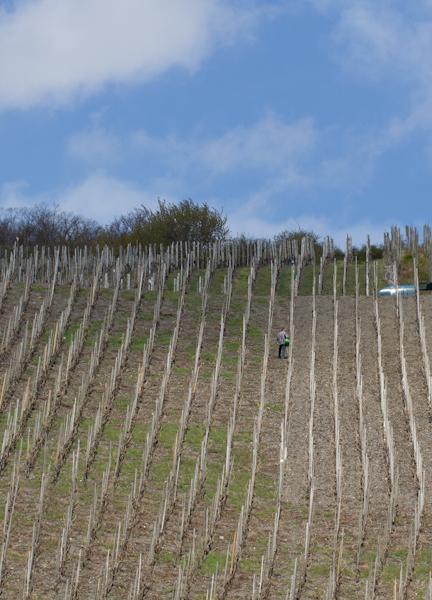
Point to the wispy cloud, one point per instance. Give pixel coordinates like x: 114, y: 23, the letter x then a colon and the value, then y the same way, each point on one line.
x: 283, y: 158
x: 379, y: 42
x: 385, y: 39
x: 99, y: 196
x: 51, y: 51
x: 270, y: 144
x: 102, y: 197
x: 95, y: 146
x: 254, y: 225
x: 13, y: 194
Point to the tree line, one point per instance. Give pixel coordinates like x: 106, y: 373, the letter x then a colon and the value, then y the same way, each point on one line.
x: 186, y: 221
x: 48, y: 225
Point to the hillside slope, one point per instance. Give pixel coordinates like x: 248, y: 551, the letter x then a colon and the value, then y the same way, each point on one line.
x: 146, y: 490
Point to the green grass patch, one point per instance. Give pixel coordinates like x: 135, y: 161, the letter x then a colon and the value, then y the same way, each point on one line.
x: 94, y: 326
x: 328, y: 277
x: 240, y: 281
x: 206, y: 374
x: 150, y: 296
x: 54, y: 515
x: 380, y: 273
x: 115, y: 341
x: 216, y: 283
x: 111, y: 431
x: 283, y: 289
x: 369, y: 557
x: 237, y: 306
x: 214, y: 561
x: 320, y: 570
x: 194, y: 280
x: 362, y: 278
x: 70, y: 332
x: 167, y: 434
x: 250, y: 565
x: 228, y: 375
x: 161, y: 471
x: 232, y: 346
x: 217, y: 441
x: 230, y: 359
x: 245, y: 437
x: 234, y: 324
x: 255, y: 332
x: 399, y: 554
x: 190, y: 352
x: 194, y: 299
x: 391, y: 571
x: 63, y: 290
x: 132, y: 462
x: 237, y: 488
x: 305, y: 287
x: 212, y: 475
x: 266, y: 513
x: 167, y: 558
x: 139, y: 433
x: 194, y: 435
x: 350, y: 280
x: 171, y: 295
x: 265, y: 487
x: 163, y: 338
x: 306, y: 280
x: 128, y: 294
x: 181, y: 370
x: 263, y: 281
x: 138, y: 343
x: 187, y: 470
x: 275, y: 407
x: 92, y: 332
x: 106, y: 293
x: 207, y: 356
x: 423, y: 563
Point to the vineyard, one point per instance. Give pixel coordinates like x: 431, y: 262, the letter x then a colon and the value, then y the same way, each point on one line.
x: 154, y: 446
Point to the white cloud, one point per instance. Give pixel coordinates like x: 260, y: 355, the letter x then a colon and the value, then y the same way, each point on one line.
x: 99, y: 197
x: 94, y: 146
x: 254, y: 225
x: 384, y: 41
x: 54, y: 50
x: 13, y: 194
x: 275, y: 151
x: 102, y: 198
x: 270, y: 144
x: 282, y: 156
x: 381, y: 39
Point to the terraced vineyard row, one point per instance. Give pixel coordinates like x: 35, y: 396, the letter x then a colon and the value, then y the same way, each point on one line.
x: 154, y: 446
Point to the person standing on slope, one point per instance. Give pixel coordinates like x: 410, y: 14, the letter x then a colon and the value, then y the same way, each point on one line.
x: 283, y: 341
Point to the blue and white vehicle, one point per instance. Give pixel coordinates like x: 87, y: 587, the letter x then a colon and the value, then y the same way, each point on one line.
x: 400, y: 290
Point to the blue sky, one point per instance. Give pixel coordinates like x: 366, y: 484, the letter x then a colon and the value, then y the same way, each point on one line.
x: 283, y: 113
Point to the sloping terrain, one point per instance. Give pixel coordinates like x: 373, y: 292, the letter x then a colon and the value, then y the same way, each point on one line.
x: 151, y: 459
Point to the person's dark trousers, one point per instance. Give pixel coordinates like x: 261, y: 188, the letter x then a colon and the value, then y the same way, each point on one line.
x: 281, y: 350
